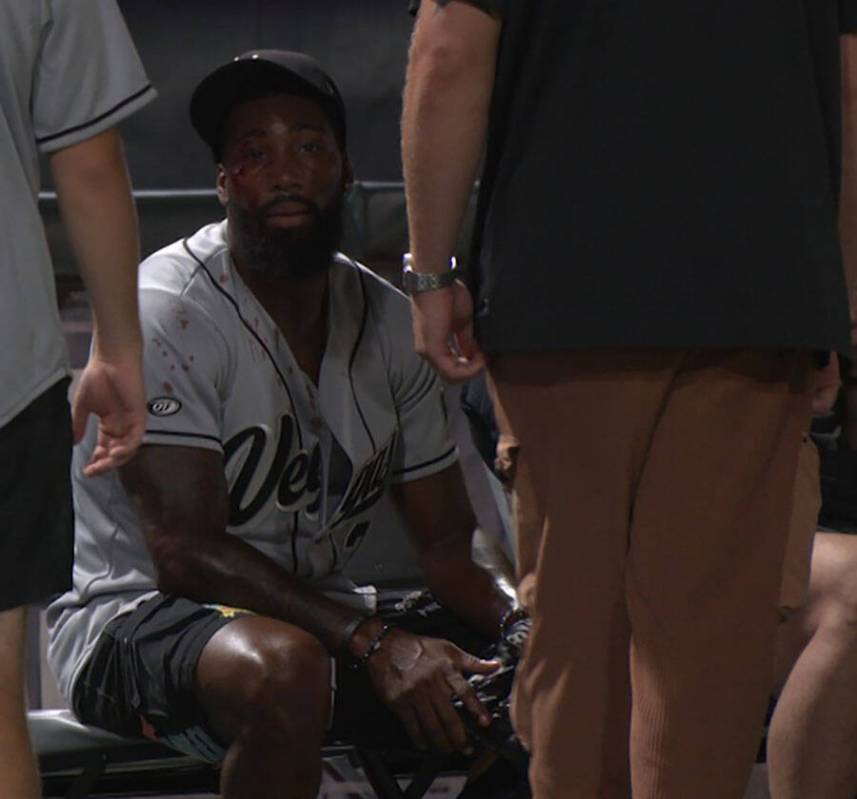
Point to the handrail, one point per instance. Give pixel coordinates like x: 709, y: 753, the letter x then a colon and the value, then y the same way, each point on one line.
x: 178, y: 194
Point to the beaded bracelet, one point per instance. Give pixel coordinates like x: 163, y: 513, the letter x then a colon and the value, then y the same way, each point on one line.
x: 374, y: 646
x: 512, y: 615
x: 349, y: 630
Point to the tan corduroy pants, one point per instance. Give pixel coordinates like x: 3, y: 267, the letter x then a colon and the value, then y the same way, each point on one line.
x: 653, y: 493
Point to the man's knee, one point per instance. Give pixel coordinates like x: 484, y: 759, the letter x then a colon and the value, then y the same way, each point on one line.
x: 259, y: 671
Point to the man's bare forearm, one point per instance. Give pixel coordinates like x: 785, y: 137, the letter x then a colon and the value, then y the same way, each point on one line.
x: 441, y: 522
x: 184, y: 519
x: 469, y: 591
x: 226, y: 570
x: 97, y: 207
x: 446, y: 108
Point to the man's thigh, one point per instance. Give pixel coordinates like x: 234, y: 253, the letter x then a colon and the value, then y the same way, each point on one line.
x: 35, y: 501
x: 139, y: 679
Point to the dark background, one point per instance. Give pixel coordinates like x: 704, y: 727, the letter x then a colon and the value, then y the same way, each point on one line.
x: 363, y: 45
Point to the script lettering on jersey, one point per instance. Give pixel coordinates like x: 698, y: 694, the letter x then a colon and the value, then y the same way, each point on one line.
x: 368, y: 484
x: 293, y: 473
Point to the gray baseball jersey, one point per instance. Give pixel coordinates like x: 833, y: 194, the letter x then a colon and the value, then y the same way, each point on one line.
x: 68, y: 70
x: 305, y: 464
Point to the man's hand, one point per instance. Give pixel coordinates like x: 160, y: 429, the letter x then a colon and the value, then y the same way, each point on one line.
x: 419, y: 677
x: 443, y: 332
x: 113, y: 391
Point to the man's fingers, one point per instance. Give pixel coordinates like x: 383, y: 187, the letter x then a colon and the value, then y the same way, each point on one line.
x: 467, y: 344
x: 409, y: 718
x: 115, y: 446
x: 453, y: 726
x: 474, y: 665
x: 104, y: 459
x: 465, y: 692
x: 79, y: 416
x: 452, y: 367
x: 434, y: 728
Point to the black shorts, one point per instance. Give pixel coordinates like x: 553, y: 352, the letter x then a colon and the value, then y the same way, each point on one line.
x: 139, y: 678
x: 36, y: 521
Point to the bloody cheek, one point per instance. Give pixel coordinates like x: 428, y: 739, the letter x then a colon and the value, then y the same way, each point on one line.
x: 242, y: 170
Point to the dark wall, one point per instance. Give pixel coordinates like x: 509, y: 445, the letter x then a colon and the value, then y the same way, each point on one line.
x: 362, y: 43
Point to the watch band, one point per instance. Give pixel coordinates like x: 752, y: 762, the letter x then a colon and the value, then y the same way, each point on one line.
x: 419, y: 282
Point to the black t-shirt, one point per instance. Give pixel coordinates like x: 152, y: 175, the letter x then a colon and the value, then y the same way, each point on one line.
x: 663, y: 174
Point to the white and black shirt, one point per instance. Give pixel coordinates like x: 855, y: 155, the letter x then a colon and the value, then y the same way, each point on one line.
x: 305, y: 464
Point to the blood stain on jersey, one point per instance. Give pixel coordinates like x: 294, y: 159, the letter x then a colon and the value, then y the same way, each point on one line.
x: 168, y: 387
x: 184, y: 323
x: 164, y: 406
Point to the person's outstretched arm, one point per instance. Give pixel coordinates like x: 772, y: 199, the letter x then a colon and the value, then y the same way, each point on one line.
x: 97, y: 207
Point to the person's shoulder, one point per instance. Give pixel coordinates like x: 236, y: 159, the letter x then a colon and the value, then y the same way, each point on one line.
x: 188, y: 264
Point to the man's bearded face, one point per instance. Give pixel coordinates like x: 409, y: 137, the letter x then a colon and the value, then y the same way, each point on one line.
x: 299, y: 252
x: 282, y: 182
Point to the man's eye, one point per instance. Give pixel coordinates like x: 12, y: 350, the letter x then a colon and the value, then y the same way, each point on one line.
x: 311, y: 147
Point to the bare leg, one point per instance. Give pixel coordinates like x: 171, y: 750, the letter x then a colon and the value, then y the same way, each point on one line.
x: 265, y: 686
x: 18, y: 774
x: 812, y: 744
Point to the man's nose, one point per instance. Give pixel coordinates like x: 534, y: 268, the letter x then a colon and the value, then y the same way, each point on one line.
x: 288, y: 169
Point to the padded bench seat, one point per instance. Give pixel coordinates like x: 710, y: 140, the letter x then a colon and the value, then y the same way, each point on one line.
x: 77, y: 761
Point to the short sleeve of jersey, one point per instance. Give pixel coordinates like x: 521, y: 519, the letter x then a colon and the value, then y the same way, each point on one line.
x: 185, y: 362
x: 88, y: 77
x: 425, y: 444
x: 495, y: 8
x: 848, y: 16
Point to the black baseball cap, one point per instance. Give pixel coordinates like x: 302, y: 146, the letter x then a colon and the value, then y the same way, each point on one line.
x: 256, y: 74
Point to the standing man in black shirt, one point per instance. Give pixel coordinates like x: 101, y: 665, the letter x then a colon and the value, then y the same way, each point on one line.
x: 655, y: 261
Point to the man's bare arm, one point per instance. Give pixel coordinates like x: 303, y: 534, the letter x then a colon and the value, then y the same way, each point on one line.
x: 181, y: 499
x: 441, y: 523
x: 447, y: 98
x: 446, y: 107
x: 98, y: 212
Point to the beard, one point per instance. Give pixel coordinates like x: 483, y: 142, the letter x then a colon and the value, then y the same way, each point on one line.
x: 298, y: 253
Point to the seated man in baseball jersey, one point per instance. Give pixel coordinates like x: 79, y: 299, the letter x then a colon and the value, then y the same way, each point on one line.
x: 209, y: 609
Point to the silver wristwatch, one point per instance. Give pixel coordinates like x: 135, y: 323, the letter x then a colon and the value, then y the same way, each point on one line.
x: 418, y: 282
